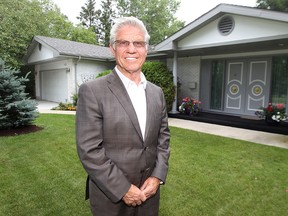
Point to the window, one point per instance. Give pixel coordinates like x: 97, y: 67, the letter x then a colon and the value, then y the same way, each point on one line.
x: 279, y: 88
x: 217, y: 83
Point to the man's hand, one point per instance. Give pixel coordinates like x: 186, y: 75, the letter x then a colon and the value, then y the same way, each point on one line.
x: 134, y: 196
x: 150, y: 186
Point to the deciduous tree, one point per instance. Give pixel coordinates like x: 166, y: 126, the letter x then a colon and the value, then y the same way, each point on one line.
x: 22, y: 19
x: 278, y: 5
x: 158, y: 16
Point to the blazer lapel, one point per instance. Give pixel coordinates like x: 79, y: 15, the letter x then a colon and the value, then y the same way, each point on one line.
x: 118, y: 89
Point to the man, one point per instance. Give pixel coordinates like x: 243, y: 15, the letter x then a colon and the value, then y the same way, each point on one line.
x: 122, y: 130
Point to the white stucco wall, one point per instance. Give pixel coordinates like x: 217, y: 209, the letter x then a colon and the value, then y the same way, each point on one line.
x: 88, y: 70
x: 40, y: 54
x: 77, y: 72
x: 188, y: 72
x: 246, y: 28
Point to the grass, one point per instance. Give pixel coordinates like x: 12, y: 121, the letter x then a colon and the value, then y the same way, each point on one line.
x: 40, y: 174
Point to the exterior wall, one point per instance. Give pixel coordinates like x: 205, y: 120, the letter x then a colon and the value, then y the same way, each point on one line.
x: 209, y: 34
x: 77, y: 72
x: 188, y: 71
x: 41, y: 53
x: 88, y: 70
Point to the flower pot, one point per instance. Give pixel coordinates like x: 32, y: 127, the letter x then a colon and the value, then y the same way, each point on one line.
x: 191, y: 112
x: 270, y: 121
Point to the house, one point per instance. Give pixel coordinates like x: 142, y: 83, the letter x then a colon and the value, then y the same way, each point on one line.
x: 62, y: 65
x: 233, y: 58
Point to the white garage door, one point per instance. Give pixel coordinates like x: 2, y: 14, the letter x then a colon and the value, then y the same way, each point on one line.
x: 54, y: 85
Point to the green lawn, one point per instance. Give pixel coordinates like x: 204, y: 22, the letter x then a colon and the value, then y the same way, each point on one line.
x: 40, y: 174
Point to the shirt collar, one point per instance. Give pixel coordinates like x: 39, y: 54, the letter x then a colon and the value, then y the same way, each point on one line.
x: 127, y: 82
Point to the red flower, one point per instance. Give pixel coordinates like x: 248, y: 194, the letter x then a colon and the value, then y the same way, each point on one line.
x: 270, y: 108
x: 280, y: 106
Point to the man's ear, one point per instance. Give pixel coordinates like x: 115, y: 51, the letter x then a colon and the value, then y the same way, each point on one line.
x: 112, y: 49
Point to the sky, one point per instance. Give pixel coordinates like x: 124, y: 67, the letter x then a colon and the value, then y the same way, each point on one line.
x: 188, y: 11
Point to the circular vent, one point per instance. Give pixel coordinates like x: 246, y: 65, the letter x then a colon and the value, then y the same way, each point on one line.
x: 226, y: 25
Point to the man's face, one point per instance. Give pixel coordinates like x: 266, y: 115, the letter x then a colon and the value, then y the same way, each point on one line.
x: 130, y: 49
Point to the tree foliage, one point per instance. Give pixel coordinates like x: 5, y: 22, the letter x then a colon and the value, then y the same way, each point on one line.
x: 89, y: 16
x: 16, y: 110
x: 277, y: 5
x: 22, y: 19
x: 158, y: 16
x: 107, y: 16
x: 159, y: 74
x: 99, y: 20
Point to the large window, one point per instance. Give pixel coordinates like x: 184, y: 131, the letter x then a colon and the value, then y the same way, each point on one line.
x: 217, y: 83
x: 280, y: 80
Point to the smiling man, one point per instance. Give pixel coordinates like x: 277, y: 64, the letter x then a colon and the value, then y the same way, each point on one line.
x: 122, y: 130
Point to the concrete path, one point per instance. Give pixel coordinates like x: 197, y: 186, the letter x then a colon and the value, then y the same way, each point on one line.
x: 259, y: 137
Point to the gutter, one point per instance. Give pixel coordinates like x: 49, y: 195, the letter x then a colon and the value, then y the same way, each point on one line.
x: 75, y: 74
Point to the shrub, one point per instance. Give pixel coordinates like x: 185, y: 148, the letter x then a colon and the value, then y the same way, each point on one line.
x: 16, y: 109
x: 159, y: 74
x: 74, y: 99
x: 104, y: 73
x: 65, y: 106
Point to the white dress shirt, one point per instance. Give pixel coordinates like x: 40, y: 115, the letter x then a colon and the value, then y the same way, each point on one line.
x: 138, y: 97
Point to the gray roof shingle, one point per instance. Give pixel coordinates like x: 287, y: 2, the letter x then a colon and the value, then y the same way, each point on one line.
x: 72, y: 48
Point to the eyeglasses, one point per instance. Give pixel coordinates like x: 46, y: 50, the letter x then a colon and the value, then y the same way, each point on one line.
x: 125, y: 43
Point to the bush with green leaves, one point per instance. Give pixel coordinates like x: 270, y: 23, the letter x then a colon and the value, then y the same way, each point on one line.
x: 159, y: 74
x: 103, y: 73
x: 16, y: 109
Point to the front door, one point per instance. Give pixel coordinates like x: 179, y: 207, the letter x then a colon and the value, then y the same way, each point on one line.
x: 247, y: 86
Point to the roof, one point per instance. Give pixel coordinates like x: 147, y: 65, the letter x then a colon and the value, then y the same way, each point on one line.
x: 72, y: 48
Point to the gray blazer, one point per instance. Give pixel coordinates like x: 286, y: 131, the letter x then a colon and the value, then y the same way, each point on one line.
x: 109, y: 140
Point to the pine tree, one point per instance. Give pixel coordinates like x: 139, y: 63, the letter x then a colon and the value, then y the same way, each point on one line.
x: 89, y: 15
x: 16, y: 109
x: 106, y: 18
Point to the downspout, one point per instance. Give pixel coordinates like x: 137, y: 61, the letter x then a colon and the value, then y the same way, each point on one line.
x: 75, y: 74
x: 175, y: 61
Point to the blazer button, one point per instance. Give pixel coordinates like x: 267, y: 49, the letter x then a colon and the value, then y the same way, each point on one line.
x: 146, y: 148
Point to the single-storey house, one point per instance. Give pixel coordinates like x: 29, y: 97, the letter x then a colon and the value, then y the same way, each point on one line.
x: 62, y: 65
x: 233, y: 58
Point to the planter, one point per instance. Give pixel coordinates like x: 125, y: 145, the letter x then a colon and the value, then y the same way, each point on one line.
x: 270, y: 121
x: 191, y: 113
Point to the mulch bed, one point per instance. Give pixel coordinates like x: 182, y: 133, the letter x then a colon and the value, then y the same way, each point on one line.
x: 20, y: 131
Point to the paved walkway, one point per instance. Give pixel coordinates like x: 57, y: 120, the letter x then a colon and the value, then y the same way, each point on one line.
x: 259, y: 137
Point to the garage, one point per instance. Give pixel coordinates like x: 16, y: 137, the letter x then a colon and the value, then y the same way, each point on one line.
x: 54, y: 85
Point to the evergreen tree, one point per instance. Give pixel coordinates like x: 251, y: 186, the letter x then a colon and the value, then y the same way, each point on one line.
x: 16, y: 110
x: 106, y: 21
x: 89, y: 16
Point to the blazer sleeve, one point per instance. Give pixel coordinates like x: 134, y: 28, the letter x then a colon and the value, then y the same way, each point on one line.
x: 101, y: 169
x: 163, y: 148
